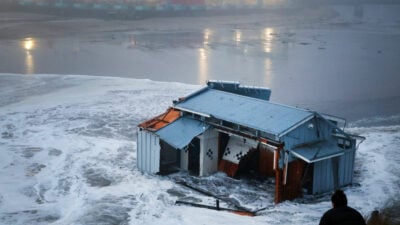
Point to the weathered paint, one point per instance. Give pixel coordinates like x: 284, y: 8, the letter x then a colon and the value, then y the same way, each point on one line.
x: 148, y: 151
x: 237, y: 148
x: 227, y: 167
x: 293, y: 187
x: 161, y: 120
x: 266, y: 162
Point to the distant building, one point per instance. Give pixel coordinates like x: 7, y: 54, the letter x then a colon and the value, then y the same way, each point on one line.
x: 227, y: 127
x: 131, y: 6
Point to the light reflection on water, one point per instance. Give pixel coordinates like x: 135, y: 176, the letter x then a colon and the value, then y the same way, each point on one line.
x: 237, y: 36
x: 203, y: 57
x: 203, y: 65
x: 208, y: 54
x: 29, y: 63
x: 29, y: 44
x: 268, y: 72
x: 207, y: 33
x: 304, y: 63
x: 267, y: 36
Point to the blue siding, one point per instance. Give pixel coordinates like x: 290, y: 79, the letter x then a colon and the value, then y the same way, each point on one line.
x: 303, y: 134
x: 324, y: 172
x: 346, y: 167
x: 323, y: 177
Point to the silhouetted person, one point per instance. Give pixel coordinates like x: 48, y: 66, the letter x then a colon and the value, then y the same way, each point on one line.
x: 341, y: 214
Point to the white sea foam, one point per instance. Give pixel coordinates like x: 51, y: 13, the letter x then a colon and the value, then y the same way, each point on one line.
x: 68, y: 156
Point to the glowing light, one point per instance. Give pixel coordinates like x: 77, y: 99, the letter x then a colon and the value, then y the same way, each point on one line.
x: 203, y: 65
x: 238, y: 36
x: 268, y: 37
x: 29, y: 44
x: 207, y: 33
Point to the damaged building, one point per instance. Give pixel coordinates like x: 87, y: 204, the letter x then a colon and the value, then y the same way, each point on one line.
x: 237, y: 130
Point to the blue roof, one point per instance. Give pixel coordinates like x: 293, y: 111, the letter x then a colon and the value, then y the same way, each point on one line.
x: 236, y: 88
x: 181, y: 132
x: 317, y: 151
x: 254, y: 113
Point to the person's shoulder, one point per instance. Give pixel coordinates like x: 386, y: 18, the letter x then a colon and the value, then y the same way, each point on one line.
x: 326, y: 218
x: 356, y: 215
x: 334, y: 210
x: 330, y: 212
x: 353, y: 210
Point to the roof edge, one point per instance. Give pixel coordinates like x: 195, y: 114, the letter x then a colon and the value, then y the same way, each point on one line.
x: 191, y: 111
x: 193, y: 94
x: 235, y: 88
x: 301, y: 122
x: 315, y: 160
x: 337, y: 128
x: 155, y: 123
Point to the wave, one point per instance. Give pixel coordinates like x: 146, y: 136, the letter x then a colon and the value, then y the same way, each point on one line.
x: 68, y: 156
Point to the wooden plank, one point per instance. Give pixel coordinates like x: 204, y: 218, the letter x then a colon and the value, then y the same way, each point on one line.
x: 239, y: 212
x: 278, y: 185
x: 208, y: 193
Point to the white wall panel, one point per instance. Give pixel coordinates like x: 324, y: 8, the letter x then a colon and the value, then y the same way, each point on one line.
x: 208, y: 152
x: 148, y: 152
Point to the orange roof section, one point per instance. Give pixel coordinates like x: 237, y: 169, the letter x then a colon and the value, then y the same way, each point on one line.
x: 162, y: 120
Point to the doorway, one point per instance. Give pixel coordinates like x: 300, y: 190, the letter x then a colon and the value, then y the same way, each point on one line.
x: 194, y: 157
x: 169, y: 158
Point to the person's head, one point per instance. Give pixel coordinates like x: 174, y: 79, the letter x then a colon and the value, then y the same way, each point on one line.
x: 339, y: 199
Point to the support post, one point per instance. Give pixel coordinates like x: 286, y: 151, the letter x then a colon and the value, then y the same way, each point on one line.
x: 278, y: 185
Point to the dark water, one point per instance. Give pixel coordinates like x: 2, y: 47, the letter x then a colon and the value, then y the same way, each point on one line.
x: 347, y: 65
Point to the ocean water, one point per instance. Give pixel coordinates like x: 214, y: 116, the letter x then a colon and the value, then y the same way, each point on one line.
x: 340, y: 60
x: 68, y: 156
x: 70, y: 104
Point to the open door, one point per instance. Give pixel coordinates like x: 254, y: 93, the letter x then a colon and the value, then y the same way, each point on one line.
x: 169, y: 159
x: 194, y: 157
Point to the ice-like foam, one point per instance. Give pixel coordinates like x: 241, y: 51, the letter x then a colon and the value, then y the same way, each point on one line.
x: 68, y: 156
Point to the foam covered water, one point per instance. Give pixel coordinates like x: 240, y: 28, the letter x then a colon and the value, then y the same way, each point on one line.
x: 68, y: 156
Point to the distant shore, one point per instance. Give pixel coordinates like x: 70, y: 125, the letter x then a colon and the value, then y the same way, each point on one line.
x: 132, y: 13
